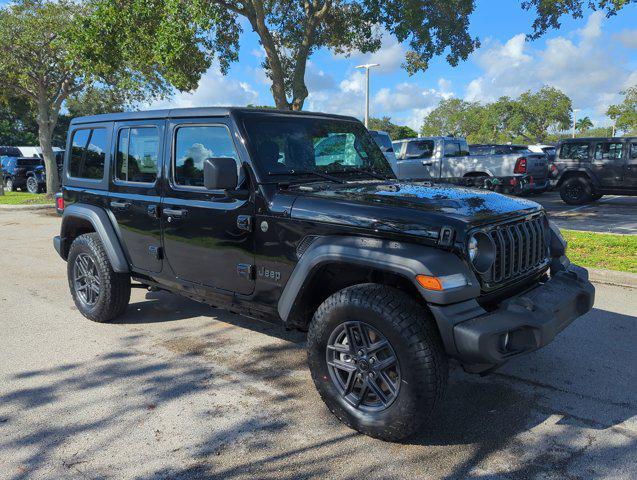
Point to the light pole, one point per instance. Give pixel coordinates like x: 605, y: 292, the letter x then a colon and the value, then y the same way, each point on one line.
x: 575, y: 110
x: 367, y: 66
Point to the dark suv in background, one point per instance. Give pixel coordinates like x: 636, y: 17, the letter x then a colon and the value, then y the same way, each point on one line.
x: 22, y: 172
x: 589, y: 168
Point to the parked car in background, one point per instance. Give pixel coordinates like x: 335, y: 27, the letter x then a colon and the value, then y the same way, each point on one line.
x: 589, y: 168
x: 549, y: 150
x: 384, y: 141
x: 18, y: 172
x: 506, y: 168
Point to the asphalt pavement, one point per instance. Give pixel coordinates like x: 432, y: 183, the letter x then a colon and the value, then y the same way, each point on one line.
x: 178, y: 390
x: 610, y: 214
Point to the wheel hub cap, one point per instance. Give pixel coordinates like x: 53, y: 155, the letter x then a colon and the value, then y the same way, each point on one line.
x: 86, y: 280
x: 363, y: 366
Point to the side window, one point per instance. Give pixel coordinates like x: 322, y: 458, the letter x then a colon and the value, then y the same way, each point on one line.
x: 195, y: 144
x: 463, y: 148
x: 633, y: 150
x: 137, y: 155
x: 451, y: 148
x: 608, y: 151
x: 420, y: 149
x: 577, y: 151
x: 88, y: 153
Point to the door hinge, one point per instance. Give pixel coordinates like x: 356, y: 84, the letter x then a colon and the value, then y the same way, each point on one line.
x: 245, y: 270
x: 244, y: 222
x: 155, y: 251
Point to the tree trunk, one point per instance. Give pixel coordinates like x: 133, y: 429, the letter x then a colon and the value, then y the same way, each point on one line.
x: 46, y: 123
x: 1, y: 182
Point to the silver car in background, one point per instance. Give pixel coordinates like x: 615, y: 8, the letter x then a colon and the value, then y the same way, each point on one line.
x: 507, y: 168
x: 383, y: 140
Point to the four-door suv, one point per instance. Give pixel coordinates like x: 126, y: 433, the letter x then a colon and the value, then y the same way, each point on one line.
x: 21, y: 172
x: 261, y: 212
x: 589, y: 168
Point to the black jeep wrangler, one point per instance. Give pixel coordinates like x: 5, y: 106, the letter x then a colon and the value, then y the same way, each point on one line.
x: 297, y: 217
x: 589, y: 168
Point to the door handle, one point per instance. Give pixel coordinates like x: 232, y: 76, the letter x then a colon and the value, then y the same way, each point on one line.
x: 120, y: 205
x: 427, y: 164
x: 169, y: 212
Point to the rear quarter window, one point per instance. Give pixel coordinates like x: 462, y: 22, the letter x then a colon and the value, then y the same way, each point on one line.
x: 88, y: 153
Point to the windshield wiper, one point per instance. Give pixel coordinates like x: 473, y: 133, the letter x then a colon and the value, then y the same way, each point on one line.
x: 309, y: 172
x: 361, y: 170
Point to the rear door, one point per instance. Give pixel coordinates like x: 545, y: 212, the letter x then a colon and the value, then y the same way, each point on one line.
x: 207, y: 234
x: 630, y: 175
x: 136, y: 190
x: 608, y: 163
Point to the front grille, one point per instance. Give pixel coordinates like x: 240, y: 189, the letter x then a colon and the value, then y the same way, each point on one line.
x: 521, y: 247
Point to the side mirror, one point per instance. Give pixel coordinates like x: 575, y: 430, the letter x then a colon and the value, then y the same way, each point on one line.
x: 220, y: 174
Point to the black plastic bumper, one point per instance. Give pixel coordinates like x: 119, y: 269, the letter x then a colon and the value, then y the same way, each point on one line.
x: 523, y: 323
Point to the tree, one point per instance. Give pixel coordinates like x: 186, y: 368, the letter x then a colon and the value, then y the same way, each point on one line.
x: 396, y: 132
x: 540, y: 113
x: 17, y: 123
x: 625, y: 114
x: 583, y: 124
x: 290, y: 31
x: 45, y: 60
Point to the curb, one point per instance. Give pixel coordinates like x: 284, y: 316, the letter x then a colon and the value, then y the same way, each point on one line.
x: 612, y: 277
x: 9, y: 208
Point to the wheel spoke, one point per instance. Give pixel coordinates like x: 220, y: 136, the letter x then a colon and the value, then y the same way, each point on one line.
x: 362, y: 394
x: 351, y: 338
x: 349, y: 385
x: 339, y: 347
x: 377, y: 346
x: 388, y: 381
x: 373, y: 386
x: 386, y: 363
x: 348, y: 367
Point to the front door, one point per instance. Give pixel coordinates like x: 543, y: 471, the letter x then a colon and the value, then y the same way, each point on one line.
x: 418, y: 160
x: 206, y: 233
x: 608, y: 163
x: 135, y: 190
x: 630, y: 172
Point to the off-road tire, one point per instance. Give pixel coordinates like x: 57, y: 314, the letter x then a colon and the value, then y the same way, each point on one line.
x: 32, y: 185
x: 115, y: 288
x: 415, y: 340
x: 576, y: 191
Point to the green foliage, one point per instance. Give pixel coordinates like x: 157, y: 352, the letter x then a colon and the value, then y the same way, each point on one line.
x: 625, y: 113
x: 583, y: 124
x: 17, y: 123
x: 532, y: 117
x: 549, y: 12
x: 94, y: 100
x: 396, y: 132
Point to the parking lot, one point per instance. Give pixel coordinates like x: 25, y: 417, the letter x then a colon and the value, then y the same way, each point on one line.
x: 176, y: 389
x: 611, y: 214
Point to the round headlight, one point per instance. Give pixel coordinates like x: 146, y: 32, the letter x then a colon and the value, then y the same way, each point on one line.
x: 481, y: 251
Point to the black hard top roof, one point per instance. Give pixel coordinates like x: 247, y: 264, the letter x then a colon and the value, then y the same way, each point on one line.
x: 195, y: 112
x: 597, y: 139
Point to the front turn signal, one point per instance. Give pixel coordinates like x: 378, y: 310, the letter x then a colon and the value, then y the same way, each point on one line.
x: 428, y: 282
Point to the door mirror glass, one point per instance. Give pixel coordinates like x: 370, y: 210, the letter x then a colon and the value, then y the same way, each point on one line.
x: 220, y: 174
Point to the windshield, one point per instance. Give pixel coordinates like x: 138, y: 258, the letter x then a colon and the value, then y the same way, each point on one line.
x: 295, y: 144
x: 383, y: 141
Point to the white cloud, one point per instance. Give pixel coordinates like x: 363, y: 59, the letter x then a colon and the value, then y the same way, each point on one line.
x: 214, y: 89
x: 584, y: 66
x: 628, y: 38
x: 390, y: 56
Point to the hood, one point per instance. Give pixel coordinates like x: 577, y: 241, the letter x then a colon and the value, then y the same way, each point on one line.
x: 412, y: 208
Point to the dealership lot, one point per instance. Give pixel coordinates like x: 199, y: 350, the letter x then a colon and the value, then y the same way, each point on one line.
x: 611, y: 214
x: 176, y: 389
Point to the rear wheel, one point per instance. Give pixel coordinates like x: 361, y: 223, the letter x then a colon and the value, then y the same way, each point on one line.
x: 576, y: 191
x: 32, y: 185
x: 100, y: 294
x: 377, y: 360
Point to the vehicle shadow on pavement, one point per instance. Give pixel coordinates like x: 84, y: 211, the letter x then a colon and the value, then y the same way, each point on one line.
x: 255, y: 413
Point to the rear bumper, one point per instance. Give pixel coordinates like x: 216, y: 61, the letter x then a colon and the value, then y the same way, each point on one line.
x: 521, y: 324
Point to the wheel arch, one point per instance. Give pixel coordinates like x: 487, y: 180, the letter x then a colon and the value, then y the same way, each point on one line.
x: 574, y: 173
x: 79, y: 219
x: 333, y: 263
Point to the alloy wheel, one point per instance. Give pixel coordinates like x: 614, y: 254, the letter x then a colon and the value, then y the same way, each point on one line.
x: 363, y: 366
x: 86, y: 279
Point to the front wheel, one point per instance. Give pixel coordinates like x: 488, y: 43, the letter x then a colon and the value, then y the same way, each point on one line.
x: 377, y: 360
x: 100, y: 294
x: 32, y: 185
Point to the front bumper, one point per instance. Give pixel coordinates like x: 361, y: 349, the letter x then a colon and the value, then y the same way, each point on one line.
x: 481, y: 340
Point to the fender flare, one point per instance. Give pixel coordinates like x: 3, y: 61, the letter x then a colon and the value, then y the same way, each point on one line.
x: 98, y: 217
x: 579, y: 171
x: 405, y: 259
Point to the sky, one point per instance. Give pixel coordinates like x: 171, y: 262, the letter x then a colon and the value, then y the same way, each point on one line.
x: 591, y: 59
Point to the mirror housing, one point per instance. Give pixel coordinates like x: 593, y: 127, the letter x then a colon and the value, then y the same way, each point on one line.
x: 220, y: 173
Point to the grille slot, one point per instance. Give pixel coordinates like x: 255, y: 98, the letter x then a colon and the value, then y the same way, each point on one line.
x: 520, y: 248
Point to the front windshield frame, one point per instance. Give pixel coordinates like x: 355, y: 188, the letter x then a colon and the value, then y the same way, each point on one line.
x: 259, y: 127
